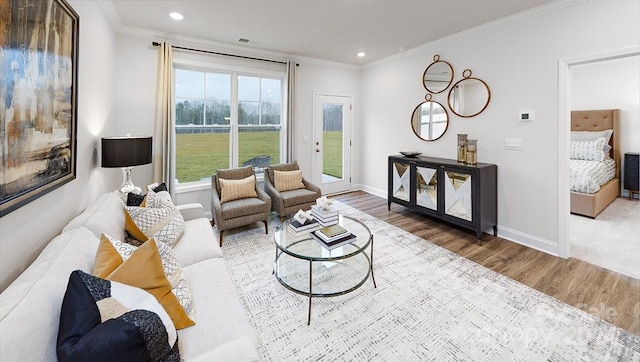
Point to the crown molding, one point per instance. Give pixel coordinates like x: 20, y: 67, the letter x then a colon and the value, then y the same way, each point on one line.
x: 111, y: 13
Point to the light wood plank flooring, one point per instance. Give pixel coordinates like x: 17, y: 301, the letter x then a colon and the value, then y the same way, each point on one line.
x: 611, y: 296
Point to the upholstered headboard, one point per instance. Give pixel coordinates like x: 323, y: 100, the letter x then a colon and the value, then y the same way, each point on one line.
x: 600, y: 120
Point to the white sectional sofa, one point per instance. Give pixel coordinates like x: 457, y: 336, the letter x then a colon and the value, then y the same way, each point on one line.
x: 30, y: 306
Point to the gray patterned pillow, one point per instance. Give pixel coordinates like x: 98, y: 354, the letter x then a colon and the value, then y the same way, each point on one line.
x: 172, y: 269
x: 588, y: 150
x: 165, y: 224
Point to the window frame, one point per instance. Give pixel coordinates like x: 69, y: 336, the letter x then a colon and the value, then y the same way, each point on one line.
x: 235, y: 72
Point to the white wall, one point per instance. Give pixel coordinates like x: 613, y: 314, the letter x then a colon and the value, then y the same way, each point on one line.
x: 518, y: 58
x: 611, y: 84
x: 25, y: 232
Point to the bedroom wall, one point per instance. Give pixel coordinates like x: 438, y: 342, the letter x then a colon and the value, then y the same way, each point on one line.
x: 518, y: 57
x: 26, y: 231
x: 611, y: 84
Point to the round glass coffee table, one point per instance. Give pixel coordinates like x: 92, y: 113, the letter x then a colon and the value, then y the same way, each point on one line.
x: 305, y: 267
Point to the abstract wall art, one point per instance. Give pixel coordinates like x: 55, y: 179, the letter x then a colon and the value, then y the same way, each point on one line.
x: 38, y: 99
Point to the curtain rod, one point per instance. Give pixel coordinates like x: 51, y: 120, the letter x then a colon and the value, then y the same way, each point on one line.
x: 155, y: 44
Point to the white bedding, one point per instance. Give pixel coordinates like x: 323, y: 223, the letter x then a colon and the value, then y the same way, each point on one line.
x: 588, y: 176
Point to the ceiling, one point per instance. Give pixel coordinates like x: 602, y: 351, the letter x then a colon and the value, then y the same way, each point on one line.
x: 333, y: 30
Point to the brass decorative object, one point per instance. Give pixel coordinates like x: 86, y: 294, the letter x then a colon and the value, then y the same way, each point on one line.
x: 462, y: 147
x: 472, y: 152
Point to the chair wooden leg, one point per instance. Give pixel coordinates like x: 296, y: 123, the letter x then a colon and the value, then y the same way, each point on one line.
x: 221, y: 235
x: 266, y: 226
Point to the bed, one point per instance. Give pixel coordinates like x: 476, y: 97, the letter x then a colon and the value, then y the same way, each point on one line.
x: 590, y: 203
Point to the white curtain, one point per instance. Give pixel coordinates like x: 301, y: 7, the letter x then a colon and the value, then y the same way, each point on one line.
x: 291, y: 83
x: 164, y: 136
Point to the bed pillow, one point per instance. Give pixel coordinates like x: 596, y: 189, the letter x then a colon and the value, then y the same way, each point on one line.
x: 143, y: 269
x: 113, y: 252
x: 587, y: 150
x: 592, y: 136
x: 103, y: 320
x: 237, y: 189
x: 287, y: 180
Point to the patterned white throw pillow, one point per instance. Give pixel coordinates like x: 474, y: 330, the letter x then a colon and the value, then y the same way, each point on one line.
x: 588, y: 150
x: 172, y: 270
x: 165, y: 224
x: 158, y: 199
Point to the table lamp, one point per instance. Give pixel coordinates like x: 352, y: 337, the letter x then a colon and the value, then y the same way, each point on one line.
x: 126, y: 152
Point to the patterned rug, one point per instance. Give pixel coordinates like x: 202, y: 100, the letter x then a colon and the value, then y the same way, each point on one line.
x: 429, y: 304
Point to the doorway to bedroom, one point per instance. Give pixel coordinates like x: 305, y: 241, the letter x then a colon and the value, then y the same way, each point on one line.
x: 610, y: 239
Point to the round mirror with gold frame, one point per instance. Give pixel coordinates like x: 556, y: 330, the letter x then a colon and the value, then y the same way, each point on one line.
x: 429, y: 120
x: 469, y: 96
x: 438, y: 76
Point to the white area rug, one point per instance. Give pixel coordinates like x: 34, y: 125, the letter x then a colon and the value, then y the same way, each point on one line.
x: 611, y: 240
x: 430, y: 304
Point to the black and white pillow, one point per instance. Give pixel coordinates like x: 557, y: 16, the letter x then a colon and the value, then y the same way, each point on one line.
x: 136, y: 200
x: 102, y: 320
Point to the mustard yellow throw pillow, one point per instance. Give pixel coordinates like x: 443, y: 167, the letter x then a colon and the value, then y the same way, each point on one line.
x: 237, y: 189
x: 142, y: 268
x: 287, y: 180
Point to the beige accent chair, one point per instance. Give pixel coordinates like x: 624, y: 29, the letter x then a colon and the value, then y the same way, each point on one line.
x: 289, y: 202
x: 235, y: 213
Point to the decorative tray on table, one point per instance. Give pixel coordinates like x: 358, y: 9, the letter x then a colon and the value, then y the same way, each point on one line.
x: 410, y: 153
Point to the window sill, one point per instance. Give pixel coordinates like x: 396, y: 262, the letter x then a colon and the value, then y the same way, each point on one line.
x: 205, y: 185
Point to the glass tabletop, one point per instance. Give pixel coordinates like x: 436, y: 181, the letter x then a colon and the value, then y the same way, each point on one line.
x: 303, y: 246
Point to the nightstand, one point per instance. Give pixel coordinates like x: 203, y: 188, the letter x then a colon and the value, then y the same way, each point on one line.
x: 631, y: 173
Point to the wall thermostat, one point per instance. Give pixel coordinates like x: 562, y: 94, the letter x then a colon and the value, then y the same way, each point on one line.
x: 525, y: 116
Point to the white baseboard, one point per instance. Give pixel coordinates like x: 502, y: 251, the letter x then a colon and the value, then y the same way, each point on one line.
x: 530, y: 241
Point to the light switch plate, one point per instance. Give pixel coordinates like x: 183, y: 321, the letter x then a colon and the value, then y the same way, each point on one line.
x: 513, y: 143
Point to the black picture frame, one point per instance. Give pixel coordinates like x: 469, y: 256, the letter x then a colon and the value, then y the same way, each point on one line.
x: 38, y: 99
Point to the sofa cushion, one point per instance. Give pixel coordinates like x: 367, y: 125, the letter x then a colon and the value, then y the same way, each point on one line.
x: 112, y: 253
x: 221, y: 317
x: 109, y: 321
x: 30, y: 306
x: 237, y: 189
x: 298, y: 197
x: 143, y: 269
x: 287, y: 180
x: 243, y: 207
x: 104, y: 215
x: 197, y: 243
x: 136, y: 200
x: 162, y: 223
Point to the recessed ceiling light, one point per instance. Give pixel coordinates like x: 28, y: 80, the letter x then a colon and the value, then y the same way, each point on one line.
x: 176, y: 16
x: 361, y: 54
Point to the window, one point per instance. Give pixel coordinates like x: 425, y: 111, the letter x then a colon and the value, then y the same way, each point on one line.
x: 226, y: 120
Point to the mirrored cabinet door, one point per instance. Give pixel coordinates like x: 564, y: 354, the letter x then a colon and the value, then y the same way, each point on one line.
x: 457, y: 195
x: 401, y: 181
x: 427, y: 187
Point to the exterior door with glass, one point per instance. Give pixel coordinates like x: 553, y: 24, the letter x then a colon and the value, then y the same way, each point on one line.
x: 332, y: 143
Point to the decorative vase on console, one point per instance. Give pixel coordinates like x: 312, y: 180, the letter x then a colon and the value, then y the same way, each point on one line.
x: 462, y: 147
x: 472, y: 152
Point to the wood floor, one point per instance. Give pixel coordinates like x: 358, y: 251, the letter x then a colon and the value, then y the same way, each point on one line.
x: 602, y: 293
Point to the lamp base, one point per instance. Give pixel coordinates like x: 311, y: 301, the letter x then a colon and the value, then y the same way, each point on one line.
x: 127, y: 184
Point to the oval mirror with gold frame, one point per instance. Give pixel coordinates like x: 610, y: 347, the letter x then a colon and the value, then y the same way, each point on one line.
x: 469, y: 96
x: 438, y: 76
x: 429, y: 120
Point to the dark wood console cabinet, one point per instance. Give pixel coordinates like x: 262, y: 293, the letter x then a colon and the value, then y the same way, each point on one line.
x: 461, y: 194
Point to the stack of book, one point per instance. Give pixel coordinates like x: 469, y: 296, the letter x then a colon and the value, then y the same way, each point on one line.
x: 299, y: 229
x: 333, y: 236
x: 326, y: 217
